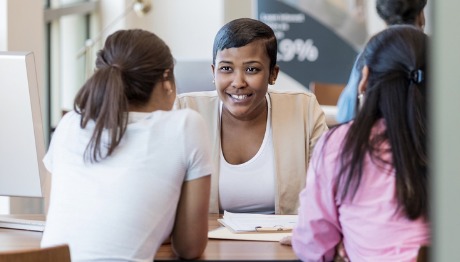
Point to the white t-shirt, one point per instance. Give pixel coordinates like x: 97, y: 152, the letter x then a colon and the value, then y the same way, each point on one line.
x: 250, y: 187
x: 123, y: 207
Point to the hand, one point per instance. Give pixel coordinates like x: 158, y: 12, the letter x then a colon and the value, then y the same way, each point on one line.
x: 286, y: 241
x: 340, y: 253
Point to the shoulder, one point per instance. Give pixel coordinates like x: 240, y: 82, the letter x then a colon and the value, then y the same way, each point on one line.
x: 292, y: 98
x: 71, y: 118
x: 187, y: 114
x: 205, y: 103
x: 327, y: 150
x: 185, y: 117
x: 198, y: 95
x: 332, y: 139
x: 296, y: 105
x: 187, y: 99
x: 290, y: 94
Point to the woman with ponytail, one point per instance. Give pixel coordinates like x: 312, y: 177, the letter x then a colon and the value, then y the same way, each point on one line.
x: 367, y: 184
x: 127, y: 171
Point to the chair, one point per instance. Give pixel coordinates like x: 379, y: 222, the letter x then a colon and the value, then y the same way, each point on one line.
x: 326, y: 94
x: 58, y: 253
x: 423, y: 254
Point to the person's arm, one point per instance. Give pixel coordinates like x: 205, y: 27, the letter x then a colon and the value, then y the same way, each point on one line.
x: 318, y: 231
x: 190, y: 233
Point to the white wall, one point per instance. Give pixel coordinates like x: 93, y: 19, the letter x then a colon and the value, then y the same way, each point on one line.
x: 445, y: 125
x: 375, y: 24
x: 72, y: 74
x: 3, y: 25
x: 109, y: 11
x: 4, y: 201
x: 187, y: 27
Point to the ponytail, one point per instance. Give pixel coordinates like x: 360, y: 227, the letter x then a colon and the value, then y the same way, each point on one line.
x: 128, y: 67
x: 396, y: 95
x: 103, y: 99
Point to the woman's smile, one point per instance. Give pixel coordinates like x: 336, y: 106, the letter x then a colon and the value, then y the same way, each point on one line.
x: 239, y: 98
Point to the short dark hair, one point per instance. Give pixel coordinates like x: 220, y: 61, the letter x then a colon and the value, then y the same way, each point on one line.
x: 400, y: 12
x: 243, y: 31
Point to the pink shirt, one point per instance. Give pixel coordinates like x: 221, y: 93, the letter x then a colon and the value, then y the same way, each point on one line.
x: 371, y: 227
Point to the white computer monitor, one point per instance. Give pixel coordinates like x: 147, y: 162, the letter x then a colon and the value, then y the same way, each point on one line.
x: 22, y: 144
x: 193, y: 75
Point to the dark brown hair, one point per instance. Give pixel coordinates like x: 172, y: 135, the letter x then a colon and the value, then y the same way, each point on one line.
x: 400, y: 12
x: 127, y: 69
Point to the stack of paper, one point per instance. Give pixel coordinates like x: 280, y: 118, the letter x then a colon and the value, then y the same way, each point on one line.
x: 240, y: 223
x: 225, y: 233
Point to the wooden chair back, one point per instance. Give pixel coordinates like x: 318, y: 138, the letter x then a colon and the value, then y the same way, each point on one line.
x: 326, y: 94
x: 51, y: 254
x: 423, y: 253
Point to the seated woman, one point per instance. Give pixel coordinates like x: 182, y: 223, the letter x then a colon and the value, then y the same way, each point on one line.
x: 127, y: 171
x: 367, y: 183
x: 393, y: 12
x: 261, y: 139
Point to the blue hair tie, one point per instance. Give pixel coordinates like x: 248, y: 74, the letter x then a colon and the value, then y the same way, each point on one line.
x: 416, y: 76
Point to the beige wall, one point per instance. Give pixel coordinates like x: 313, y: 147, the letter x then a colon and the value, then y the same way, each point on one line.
x: 234, y: 9
x: 25, y: 31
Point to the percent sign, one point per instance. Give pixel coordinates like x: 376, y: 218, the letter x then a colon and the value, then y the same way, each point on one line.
x: 303, y: 49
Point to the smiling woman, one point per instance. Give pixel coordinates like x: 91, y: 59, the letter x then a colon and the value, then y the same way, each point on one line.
x: 261, y: 139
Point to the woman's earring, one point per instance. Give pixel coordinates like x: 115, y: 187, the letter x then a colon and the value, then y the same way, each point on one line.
x: 170, y: 91
x: 272, y: 82
x: 214, y: 81
x: 361, y: 100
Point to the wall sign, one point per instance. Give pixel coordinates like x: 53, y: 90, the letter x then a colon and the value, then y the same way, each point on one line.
x: 307, y: 50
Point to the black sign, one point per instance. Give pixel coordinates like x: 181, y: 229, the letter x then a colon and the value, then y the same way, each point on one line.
x: 307, y: 50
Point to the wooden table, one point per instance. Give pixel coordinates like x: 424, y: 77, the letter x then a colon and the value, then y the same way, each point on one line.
x: 11, y: 239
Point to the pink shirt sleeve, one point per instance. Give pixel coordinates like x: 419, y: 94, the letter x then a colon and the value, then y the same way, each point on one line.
x: 318, y: 230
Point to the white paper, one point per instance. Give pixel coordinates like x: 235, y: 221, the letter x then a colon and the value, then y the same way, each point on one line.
x: 248, y: 222
x: 224, y: 233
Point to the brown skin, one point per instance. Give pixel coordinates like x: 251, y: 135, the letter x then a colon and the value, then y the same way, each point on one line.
x: 190, y: 233
x: 420, y: 21
x: 243, y: 71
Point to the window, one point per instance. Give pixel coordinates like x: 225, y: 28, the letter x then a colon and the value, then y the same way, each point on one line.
x: 68, y: 24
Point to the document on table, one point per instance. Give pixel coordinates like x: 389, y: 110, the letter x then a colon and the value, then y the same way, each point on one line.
x: 225, y: 233
x: 240, y: 223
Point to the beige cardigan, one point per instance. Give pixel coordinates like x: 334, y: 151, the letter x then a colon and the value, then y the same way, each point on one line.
x: 297, y: 123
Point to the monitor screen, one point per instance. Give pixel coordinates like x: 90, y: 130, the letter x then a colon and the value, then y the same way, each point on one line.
x: 22, y: 144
